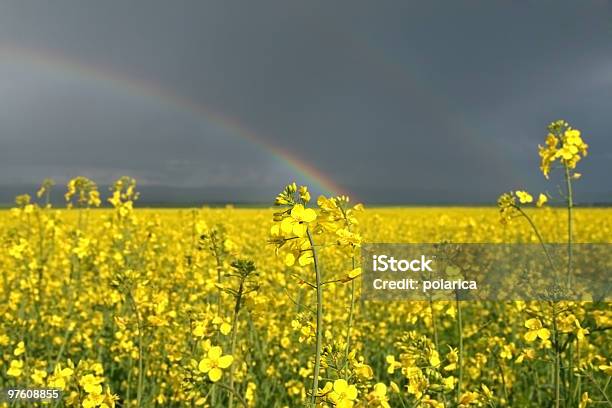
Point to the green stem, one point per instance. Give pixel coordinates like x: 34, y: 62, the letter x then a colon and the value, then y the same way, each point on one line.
x: 568, y: 380
x: 433, y: 324
x: 350, y: 323
x: 233, y: 392
x: 579, y: 379
x: 602, y: 391
x: 319, y: 322
x: 570, y: 206
x: 233, y: 345
x: 402, y: 401
x: 503, y: 377
x: 128, y: 393
x: 352, y: 306
x: 73, y: 292
x: 540, y: 239
x: 557, y: 368
x: 219, y: 264
x: 42, y: 261
x: 537, y: 387
x: 460, y: 362
x: 433, y: 319
x: 140, y: 351
x: 435, y: 330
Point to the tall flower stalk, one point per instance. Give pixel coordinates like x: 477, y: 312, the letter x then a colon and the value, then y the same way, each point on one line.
x: 294, y: 234
x: 319, y: 320
x: 510, y: 208
x: 127, y: 277
x: 563, y: 145
x: 338, y: 217
x: 243, y: 270
x: 460, y: 335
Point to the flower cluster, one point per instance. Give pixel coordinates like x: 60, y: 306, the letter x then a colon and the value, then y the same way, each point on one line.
x: 510, y: 203
x: 563, y: 143
x: 290, y: 231
x: 340, y: 219
x: 123, y: 196
x: 82, y: 192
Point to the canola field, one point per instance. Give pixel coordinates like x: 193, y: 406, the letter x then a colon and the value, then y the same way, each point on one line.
x: 198, y: 307
x: 125, y: 307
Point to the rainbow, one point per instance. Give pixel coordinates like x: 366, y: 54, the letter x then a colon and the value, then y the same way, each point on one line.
x: 56, y: 62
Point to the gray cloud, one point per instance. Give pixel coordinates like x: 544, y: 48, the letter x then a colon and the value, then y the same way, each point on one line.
x: 396, y: 102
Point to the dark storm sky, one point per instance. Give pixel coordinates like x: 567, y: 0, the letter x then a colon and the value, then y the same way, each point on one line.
x: 394, y: 101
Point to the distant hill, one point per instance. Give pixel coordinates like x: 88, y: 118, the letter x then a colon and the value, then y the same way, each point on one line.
x: 164, y: 196
x: 158, y: 195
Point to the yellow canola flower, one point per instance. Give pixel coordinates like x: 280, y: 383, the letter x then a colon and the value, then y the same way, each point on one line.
x: 298, y: 220
x: 379, y: 395
x: 300, y: 251
x: 536, y: 330
x: 304, y: 194
x: 449, y: 382
x: 225, y: 328
x: 542, y: 199
x: 584, y: 400
x: 249, y: 395
x: 38, y: 376
x: 606, y: 368
x: 94, y: 401
x: 393, y: 364
x: 506, y: 351
x: 59, y: 376
x: 453, y: 358
x: 468, y: 398
x: 524, y: 197
x: 17, y: 251
x: 528, y: 354
x: 426, y: 401
x: 417, y: 382
x: 352, y: 274
x: 434, y: 358
x: 214, y: 362
x: 20, y: 349
x: 91, y: 384
x: 394, y: 387
x: 343, y: 395
x: 547, y: 153
x: 326, y: 389
x: 15, y: 369
x: 363, y: 370
x: 346, y: 237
